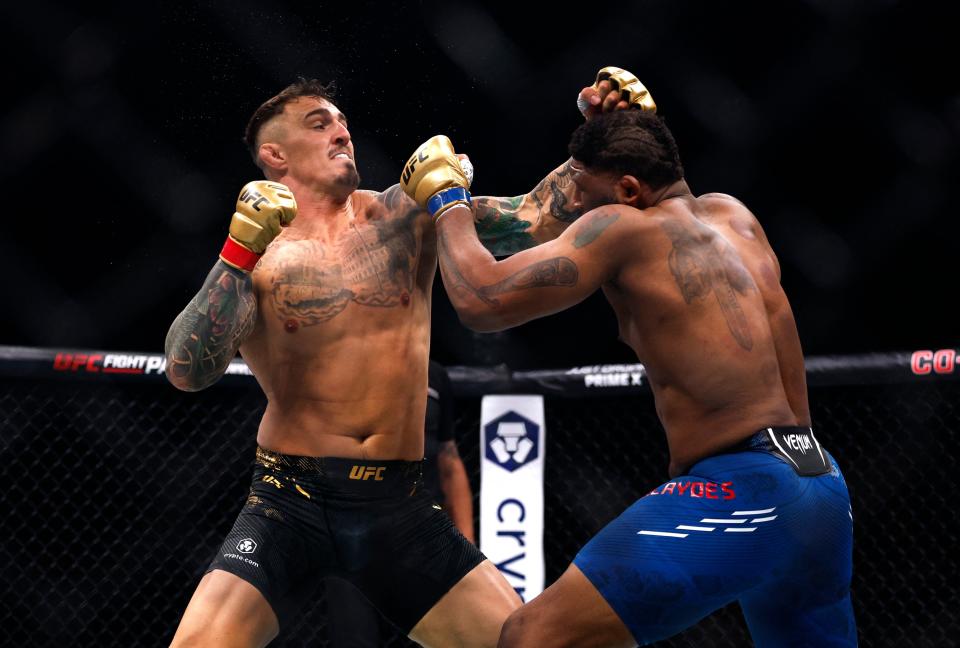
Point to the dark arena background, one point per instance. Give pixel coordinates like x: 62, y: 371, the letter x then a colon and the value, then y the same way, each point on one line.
x: 121, y: 160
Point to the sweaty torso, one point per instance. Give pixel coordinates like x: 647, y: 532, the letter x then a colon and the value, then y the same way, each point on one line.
x: 343, y: 331
x: 695, y: 301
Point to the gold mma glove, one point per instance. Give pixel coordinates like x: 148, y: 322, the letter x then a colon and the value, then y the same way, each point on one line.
x: 631, y: 90
x: 435, y: 178
x: 263, y: 208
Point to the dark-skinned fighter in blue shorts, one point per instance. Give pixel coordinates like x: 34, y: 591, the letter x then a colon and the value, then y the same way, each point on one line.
x: 755, y: 511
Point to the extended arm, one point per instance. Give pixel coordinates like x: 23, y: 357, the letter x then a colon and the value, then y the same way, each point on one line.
x: 491, y: 295
x: 509, y: 225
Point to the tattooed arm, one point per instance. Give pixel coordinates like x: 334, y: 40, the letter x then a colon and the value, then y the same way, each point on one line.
x: 205, y: 337
x: 508, y: 225
x: 491, y: 295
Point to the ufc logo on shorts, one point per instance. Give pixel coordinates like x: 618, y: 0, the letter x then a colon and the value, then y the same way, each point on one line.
x: 412, y: 165
x: 272, y: 480
x: 366, y: 472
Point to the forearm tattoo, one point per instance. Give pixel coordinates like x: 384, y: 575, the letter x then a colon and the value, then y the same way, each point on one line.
x: 554, y: 194
x: 699, y: 267
x: 206, y: 335
x: 500, y: 224
x: 558, y: 271
x: 500, y: 228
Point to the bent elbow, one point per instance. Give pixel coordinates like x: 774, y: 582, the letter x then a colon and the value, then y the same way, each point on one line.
x: 482, y: 321
x: 184, y: 382
x: 188, y: 387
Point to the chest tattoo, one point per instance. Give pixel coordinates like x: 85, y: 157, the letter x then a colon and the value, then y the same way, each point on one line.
x: 370, y: 263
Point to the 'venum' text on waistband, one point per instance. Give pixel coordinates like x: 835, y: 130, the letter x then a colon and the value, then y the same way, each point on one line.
x: 795, y: 445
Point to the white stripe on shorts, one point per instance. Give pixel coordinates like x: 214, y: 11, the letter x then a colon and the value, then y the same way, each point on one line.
x: 663, y: 533
x: 761, y: 512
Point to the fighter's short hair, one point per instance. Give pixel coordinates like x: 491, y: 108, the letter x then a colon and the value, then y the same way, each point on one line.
x: 274, y: 106
x: 629, y: 142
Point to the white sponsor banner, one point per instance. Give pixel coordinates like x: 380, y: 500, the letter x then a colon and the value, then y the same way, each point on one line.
x: 512, y: 442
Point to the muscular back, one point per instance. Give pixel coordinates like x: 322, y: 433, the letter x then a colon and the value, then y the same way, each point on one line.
x: 342, y: 331
x: 698, y: 298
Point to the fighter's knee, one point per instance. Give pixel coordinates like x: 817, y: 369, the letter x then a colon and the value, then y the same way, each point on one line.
x: 197, y: 637
x: 521, y: 629
x: 510, y: 632
x: 216, y: 634
x: 188, y: 640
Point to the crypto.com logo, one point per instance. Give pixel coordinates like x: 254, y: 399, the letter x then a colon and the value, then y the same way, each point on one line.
x: 247, y: 546
x: 511, y: 440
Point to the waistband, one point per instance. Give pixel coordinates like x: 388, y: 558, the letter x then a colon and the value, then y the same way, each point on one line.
x: 796, y: 445
x: 342, y: 471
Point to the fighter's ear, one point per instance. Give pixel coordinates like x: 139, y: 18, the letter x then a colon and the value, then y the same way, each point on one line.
x: 271, y: 156
x: 628, y: 190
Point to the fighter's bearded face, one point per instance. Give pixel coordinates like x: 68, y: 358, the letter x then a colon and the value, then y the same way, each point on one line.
x: 593, y: 189
x: 312, y: 136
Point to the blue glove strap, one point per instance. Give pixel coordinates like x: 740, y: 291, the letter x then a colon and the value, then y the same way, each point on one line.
x: 440, y: 200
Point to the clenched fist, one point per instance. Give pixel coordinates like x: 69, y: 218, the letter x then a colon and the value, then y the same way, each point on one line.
x: 263, y: 208
x: 435, y: 177
x: 614, y: 89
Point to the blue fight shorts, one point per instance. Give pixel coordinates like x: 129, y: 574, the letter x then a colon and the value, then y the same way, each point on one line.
x: 767, y: 524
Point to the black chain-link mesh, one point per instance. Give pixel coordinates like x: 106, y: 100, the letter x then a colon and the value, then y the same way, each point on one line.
x: 114, y: 497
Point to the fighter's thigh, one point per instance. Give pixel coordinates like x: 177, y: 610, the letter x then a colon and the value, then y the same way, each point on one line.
x: 807, y: 603
x: 226, y: 611
x: 471, y: 613
x: 789, y: 615
x: 570, y: 612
